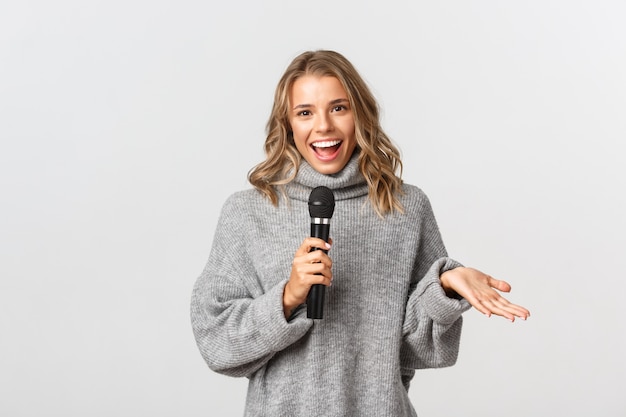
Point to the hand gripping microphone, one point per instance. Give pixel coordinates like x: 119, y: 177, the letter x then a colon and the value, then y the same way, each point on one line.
x: 321, y: 208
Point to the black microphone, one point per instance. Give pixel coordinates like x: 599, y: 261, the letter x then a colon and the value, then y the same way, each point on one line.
x: 321, y: 208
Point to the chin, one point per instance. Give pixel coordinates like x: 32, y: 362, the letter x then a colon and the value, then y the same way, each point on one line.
x: 328, y: 169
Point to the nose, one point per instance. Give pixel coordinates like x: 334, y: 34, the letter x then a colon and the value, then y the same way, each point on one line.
x: 323, y: 123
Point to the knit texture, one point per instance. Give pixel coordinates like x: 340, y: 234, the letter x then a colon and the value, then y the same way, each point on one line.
x: 385, y: 315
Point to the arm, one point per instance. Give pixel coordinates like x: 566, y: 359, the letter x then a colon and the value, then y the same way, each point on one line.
x: 432, y: 323
x: 479, y: 290
x: 237, y: 325
x: 433, y: 320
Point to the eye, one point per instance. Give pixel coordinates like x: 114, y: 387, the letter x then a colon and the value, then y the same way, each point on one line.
x: 339, y: 108
x: 303, y: 113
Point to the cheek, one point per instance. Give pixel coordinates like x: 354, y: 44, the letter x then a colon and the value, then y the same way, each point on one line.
x: 349, y: 130
x: 299, y: 137
x: 300, y: 132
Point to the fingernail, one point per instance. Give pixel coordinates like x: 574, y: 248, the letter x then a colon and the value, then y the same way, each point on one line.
x: 327, y: 245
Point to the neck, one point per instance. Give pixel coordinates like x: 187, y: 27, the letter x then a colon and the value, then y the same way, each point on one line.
x: 347, y: 183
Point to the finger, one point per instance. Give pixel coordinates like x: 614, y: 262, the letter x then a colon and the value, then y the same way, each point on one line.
x: 499, y: 285
x: 303, y: 269
x: 315, y: 269
x: 299, y: 286
x: 504, y: 308
x: 321, y: 279
x: 492, y: 303
x: 315, y: 257
x: 515, y: 309
x: 316, y: 242
x: 496, y: 308
x: 310, y: 243
x: 306, y: 280
x: 478, y: 305
x: 519, y: 311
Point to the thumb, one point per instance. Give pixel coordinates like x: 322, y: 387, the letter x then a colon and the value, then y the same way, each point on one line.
x: 500, y: 285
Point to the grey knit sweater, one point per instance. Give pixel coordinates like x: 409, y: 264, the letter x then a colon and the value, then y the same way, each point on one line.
x: 384, y: 316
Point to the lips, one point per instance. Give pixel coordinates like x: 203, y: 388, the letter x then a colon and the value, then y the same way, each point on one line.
x: 326, y: 149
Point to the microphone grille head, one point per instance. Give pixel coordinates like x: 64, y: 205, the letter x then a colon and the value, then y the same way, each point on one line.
x: 321, y: 203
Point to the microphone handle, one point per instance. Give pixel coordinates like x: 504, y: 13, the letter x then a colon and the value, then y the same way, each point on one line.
x: 315, y: 298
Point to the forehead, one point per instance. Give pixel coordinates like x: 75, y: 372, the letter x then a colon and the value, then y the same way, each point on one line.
x: 316, y: 88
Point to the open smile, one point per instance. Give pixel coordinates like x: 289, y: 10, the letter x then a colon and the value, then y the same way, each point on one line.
x: 326, y: 150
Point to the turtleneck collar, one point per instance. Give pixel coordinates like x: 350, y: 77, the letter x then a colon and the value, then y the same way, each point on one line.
x: 347, y: 183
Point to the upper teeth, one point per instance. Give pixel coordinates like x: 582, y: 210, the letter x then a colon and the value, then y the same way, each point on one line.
x: 326, y: 144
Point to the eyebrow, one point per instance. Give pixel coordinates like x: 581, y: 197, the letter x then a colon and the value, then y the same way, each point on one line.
x: 331, y: 103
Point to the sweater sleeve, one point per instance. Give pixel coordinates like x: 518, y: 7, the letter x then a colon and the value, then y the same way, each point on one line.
x: 237, y: 324
x: 432, y: 324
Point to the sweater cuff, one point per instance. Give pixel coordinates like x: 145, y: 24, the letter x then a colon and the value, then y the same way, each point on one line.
x: 437, y: 305
x: 275, y: 330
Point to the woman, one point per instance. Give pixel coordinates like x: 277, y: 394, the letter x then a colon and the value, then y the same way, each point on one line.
x: 393, y: 298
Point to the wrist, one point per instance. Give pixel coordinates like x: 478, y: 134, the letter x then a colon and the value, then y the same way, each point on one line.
x: 446, y: 279
x: 289, y: 302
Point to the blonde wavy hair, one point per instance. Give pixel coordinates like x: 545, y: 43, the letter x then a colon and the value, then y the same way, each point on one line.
x: 379, y: 160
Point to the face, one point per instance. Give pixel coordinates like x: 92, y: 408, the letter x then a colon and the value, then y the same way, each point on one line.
x: 322, y: 122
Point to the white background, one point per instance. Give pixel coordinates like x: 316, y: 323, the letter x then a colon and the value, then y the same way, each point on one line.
x: 125, y: 124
